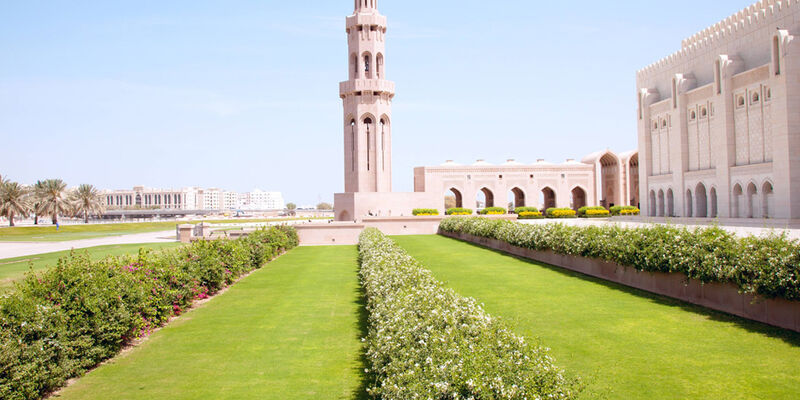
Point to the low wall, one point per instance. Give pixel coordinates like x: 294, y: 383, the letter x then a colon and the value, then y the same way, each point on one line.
x: 717, y: 296
x: 346, y: 233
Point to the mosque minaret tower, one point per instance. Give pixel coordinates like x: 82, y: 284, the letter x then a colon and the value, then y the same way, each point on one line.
x: 367, y: 98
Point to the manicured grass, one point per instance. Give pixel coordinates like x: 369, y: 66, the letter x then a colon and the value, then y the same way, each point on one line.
x: 289, y: 331
x: 48, y: 233
x: 627, y: 344
x: 12, y: 269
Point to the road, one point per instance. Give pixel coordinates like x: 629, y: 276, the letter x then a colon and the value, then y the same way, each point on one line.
x: 21, y: 249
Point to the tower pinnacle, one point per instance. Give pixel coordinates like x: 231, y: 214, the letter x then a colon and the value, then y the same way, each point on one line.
x: 366, y: 6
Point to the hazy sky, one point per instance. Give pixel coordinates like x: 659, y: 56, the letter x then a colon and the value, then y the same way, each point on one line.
x: 244, y: 94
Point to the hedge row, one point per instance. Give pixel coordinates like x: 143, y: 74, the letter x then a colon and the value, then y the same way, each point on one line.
x: 767, y: 266
x: 60, y: 323
x: 458, y: 211
x: 421, y: 212
x: 593, y: 212
x: 560, y: 213
x: 624, y: 210
x: 427, y: 342
x: 493, y: 211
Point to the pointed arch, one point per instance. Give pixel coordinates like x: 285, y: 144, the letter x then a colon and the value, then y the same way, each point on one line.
x: 737, y: 206
x: 752, y: 200
x: 688, y: 209
x: 578, y: 197
x: 484, y: 198
x: 516, y: 197
x: 456, y: 195
x: 379, y: 73
x: 767, y: 199
x: 548, y: 197
x: 701, y: 201
x: 368, y: 64
x: 652, y: 204
x: 661, y: 202
x: 713, y: 203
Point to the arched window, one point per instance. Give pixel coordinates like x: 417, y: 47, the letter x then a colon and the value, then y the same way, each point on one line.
x: 353, y: 143
x: 740, y: 101
x: 767, y: 192
x: 756, y: 98
x: 379, y: 66
x: 367, y: 73
x: 776, y: 55
x: 692, y: 115
x: 703, y: 112
x: 354, y: 66
x: 368, y: 123
x: 383, y: 144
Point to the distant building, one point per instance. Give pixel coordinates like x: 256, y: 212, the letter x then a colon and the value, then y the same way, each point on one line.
x: 192, y: 198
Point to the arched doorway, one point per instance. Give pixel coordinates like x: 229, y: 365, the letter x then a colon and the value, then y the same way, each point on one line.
x: 344, y: 216
x: 688, y: 207
x: 652, y: 205
x: 661, y: 203
x: 737, y: 206
x: 670, y: 203
x: 453, y: 199
x: 578, y: 199
x: 516, y: 198
x: 752, y: 201
x: 713, y: 211
x: 484, y: 199
x: 633, y: 180
x: 701, y: 201
x: 609, y: 173
x: 548, y: 198
x: 768, y: 195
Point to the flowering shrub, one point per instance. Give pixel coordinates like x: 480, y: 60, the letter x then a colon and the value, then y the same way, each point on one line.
x: 58, y: 324
x: 459, y: 211
x: 560, y: 213
x: 624, y: 210
x: 427, y: 342
x: 597, y: 213
x: 530, y: 215
x: 423, y: 212
x: 493, y: 211
x: 582, y: 211
x: 767, y: 266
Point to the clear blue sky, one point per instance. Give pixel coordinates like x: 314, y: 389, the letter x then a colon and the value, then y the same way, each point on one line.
x: 243, y: 94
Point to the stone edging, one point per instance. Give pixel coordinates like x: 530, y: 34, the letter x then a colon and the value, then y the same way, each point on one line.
x: 723, y: 297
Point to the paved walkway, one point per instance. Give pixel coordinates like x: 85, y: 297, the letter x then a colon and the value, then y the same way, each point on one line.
x: 741, y: 231
x: 21, y: 249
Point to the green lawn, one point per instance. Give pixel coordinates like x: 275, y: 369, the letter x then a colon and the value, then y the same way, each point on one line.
x: 289, y: 331
x: 12, y: 269
x: 48, y: 233
x: 626, y: 344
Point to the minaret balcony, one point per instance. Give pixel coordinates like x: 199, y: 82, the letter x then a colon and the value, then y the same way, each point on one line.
x: 366, y: 85
x: 366, y: 20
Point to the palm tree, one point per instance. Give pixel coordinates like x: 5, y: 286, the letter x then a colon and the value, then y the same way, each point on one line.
x: 86, y: 201
x: 36, y: 200
x: 52, y: 199
x: 13, y: 201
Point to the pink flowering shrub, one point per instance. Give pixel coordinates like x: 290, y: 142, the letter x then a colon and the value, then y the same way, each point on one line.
x: 67, y: 319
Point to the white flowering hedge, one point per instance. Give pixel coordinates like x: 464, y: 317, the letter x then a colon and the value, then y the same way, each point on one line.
x: 427, y: 342
x: 768, y: 266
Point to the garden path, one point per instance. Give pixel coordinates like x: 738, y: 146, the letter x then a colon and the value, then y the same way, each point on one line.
x: 20, y: 249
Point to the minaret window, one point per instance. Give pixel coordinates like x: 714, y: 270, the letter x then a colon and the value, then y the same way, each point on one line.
x: 353, y: 145
x: 379, y: 66
x: 366, y: 66
x: 368, y: 123
x: 383, y: 145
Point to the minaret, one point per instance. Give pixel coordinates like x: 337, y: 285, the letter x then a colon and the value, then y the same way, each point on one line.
x: 367, y: 98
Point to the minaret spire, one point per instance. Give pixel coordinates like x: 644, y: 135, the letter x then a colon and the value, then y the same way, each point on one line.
x: 367, y: 99
x: 366, y: 6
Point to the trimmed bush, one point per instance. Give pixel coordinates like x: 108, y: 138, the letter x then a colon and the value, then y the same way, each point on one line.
x: 767, y: 266
x: 560, y: 213
x: 623, y: 210
x: 530, y: 215
x: 520, y: 210
x: 66, y: 320
x: 459, y: 211
x: 423, y: 212
x: 493, y: 211
x: 582, y: 211
x: 426, y: 342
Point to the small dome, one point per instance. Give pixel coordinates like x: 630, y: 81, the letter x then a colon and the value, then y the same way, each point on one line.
x: 481, y: 163
x: 513, y: 162
x: 450, y: 163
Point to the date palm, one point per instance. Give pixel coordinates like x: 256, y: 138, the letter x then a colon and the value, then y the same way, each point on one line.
x: 13, y: 201
x: 52, y: 195
x: 35, y: 201
x: 86, y: 201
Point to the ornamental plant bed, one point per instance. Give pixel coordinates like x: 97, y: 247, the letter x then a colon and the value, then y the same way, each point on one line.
x: 754, y: 278
x: 426, y: 341
x: 424, y: 212
x: 58, y: 324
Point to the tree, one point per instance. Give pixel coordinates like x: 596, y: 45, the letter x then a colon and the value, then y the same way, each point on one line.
x: 13, y: 201
x: 53, y: 199
x: 324, y: 206
x: 86, y: 200
x: 291, y: 206
x: 449, y: 202
x: 35, y: 201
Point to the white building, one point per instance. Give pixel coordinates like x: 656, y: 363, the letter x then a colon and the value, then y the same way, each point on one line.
x: 260, y: 200
x: 718, y: 121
